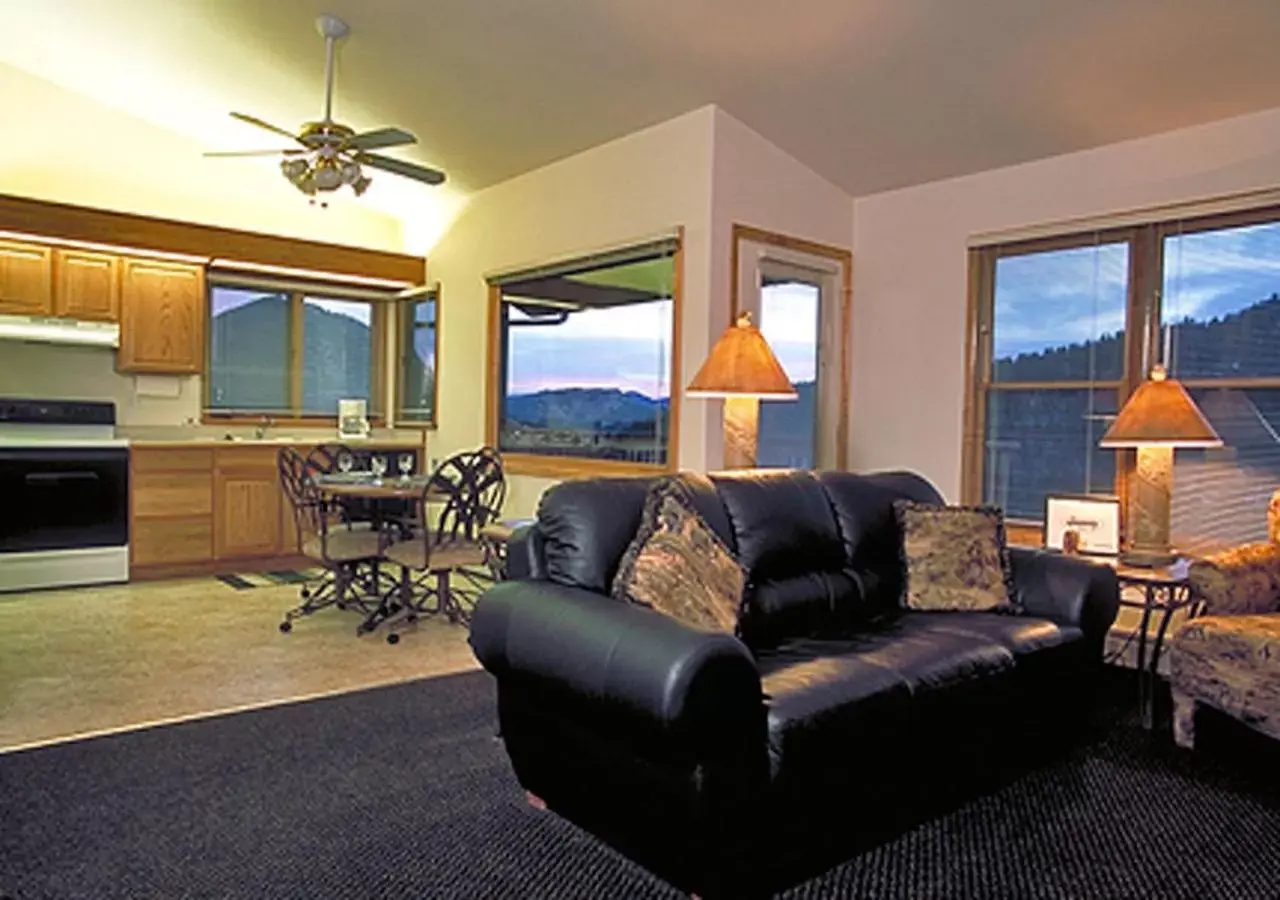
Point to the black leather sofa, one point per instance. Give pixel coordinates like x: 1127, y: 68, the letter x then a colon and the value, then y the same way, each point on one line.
x: 734, y: 767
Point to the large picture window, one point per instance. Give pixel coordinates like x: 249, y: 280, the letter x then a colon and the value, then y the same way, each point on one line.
x: 584, y: 362
x: 289, y: 353
x: 1065, y: 328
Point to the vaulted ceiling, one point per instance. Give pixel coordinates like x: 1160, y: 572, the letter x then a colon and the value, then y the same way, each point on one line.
x: 872, y: 94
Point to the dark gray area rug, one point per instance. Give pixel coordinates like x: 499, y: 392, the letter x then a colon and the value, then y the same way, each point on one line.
x: 403, y: 792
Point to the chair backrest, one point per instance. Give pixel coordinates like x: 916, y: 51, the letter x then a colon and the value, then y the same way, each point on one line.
x: 324, y: 457
x: 475, y: 487
x: 300, y: 492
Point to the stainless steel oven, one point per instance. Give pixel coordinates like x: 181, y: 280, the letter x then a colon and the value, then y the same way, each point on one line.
x: 64, y: 495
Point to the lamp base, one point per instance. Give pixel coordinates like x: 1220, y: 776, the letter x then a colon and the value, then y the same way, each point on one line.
x: 741, y: 431
x: 1147, y: 559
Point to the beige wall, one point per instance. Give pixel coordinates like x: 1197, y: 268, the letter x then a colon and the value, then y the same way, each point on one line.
x: 638, y: 186
x: 754, y: 182
x: 910, y: 272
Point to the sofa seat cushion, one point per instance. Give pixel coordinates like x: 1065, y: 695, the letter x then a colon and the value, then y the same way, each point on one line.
x: 1021, y: 635
x: 849, y: 695
x: 1233, y: 664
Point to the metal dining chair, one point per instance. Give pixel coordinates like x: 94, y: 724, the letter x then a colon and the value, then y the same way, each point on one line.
x: 327, y: 537
x: 470, y: 487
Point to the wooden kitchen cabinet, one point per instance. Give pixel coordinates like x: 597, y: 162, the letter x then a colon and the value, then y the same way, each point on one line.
x: 247, y: 504
x: 162, y: 313
x: 26, y: 279
x: 86, y: 285
x: 171, y: 508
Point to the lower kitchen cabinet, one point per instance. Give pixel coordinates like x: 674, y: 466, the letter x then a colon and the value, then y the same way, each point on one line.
x: 247, y: 501
x: 214, y: 509
x: 171, y: 507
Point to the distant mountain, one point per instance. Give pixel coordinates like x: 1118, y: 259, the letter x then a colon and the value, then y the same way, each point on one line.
x: 250, y: 357
x: 1238, y: 345
x: 1036, y: 437
x: 787, y: 429
x: 602, y: 409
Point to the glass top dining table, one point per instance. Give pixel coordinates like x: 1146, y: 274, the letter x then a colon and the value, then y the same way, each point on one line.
x: 373, y: 487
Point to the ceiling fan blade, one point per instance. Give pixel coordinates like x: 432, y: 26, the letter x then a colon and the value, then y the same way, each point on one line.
x: 292, y: 151
x: 381, y: 137
x: 400, y: 167
x: 254, y: 120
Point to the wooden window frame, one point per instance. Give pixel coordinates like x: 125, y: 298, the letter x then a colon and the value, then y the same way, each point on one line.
x: 546, y: 466
x: 403, y: 320
x: 1142, y: 334
x: 844, y: 259
x: 377, y: 359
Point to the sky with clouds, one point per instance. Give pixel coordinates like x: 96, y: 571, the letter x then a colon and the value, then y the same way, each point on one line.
x: 1047, y: 300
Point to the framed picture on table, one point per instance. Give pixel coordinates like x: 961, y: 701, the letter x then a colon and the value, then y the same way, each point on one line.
x: 1082, y: 523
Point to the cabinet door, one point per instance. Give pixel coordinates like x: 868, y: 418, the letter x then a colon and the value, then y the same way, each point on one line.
x: 247, y: 514
x: 86, y: 285
x: 26, y: 279
x: 162, y: 308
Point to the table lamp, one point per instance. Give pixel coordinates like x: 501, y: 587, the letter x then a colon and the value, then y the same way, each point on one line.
x: 1158, y: 418
x: 743, y: 370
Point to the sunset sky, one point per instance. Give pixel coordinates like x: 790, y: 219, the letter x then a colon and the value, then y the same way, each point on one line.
x: 617, y: 348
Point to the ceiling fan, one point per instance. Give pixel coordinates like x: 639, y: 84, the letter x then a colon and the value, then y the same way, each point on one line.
x: 330, y: 153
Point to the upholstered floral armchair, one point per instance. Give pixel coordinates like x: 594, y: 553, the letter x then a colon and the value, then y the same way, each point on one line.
x: 1229, y: 657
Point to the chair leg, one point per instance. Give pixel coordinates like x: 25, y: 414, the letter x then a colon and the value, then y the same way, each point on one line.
x: 1184, y: 719
x: 326, y: 593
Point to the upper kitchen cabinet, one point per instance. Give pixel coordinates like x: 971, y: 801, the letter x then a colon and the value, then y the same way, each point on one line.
x: 162, y: 311
x: 26, y: 279
x: 86, y: 285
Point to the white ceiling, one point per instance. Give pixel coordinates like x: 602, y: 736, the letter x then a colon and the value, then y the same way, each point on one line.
x: 872, y: 94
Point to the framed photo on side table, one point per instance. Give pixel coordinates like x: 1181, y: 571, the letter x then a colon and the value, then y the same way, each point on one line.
x: 1093, y: 519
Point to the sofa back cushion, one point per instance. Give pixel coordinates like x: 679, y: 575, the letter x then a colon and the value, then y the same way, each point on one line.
x: 1244, y: 580
x: 786, y: 538
x: 585, y: 525
x: 871, y: 535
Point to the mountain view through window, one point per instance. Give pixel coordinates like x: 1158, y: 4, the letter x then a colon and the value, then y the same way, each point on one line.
x: 252, y: 333
x: 586, y: 362
x: 1058, y: 358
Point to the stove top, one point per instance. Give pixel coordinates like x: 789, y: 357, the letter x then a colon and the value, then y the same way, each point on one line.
x: 55, y: 423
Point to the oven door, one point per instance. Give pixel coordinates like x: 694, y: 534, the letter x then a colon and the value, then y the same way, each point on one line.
x: 62, y: 498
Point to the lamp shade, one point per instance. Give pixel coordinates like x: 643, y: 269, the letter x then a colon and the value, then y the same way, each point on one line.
x: 742, y: 365
x: 1160, y: 413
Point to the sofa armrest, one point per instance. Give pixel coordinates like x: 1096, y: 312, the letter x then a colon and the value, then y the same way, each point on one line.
x: 619, y: 667
x: 523, y: 552
x: 1067, y: 590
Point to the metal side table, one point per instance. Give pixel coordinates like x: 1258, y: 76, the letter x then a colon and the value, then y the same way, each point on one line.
x: 1165, y: 591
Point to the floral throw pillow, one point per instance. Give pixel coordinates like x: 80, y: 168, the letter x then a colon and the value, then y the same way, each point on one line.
x: 955, y: 558
x: 678, y: 566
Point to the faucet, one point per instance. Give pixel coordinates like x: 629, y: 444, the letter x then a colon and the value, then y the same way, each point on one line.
x: 261, y: 430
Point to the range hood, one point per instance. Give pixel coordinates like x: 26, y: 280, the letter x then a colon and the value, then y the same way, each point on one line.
x: 48, y: 330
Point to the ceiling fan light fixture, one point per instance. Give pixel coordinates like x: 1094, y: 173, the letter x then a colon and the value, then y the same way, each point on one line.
x: 294, y: 169
x: 328, y: 154
x: 350, y: 172
x: 327, y: 175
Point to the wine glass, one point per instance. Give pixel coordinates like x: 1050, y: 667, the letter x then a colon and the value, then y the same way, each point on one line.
x: 405, y: 465
x: 378, y: 465
x: 345, y: 462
